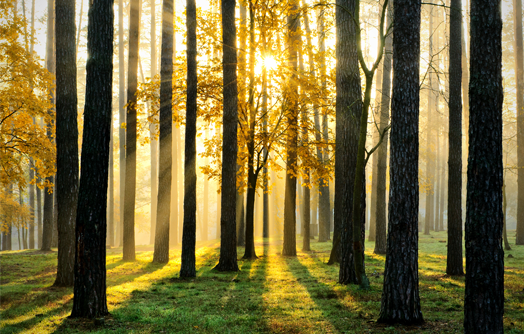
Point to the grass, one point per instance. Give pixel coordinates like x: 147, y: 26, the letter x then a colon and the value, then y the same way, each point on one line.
x: 273, y: 294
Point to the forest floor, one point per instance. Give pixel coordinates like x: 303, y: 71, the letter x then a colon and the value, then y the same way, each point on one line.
x: 273, y: 294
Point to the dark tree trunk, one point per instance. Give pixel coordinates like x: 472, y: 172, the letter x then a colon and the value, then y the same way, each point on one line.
x: 484, y: 298
x: 519, y: 71
x: 348, y: 112
x: 382, y: 152
x: 131, y: 125
x: 252, y: 175
x: 66, y: 139
x: 47, y: 228
x: 400, y: 296
x: 290, y: 200
x: 190, y: 180
x: 228, y: 219
x: 161, y: 253
x: 90, y: 259
x: 32, y: 211
x: 454, y: 256
x: 38, y: 212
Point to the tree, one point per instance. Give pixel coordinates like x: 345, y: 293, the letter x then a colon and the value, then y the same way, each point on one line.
x: 228, y: 240
x: 189, y: 233
x: 484, y: 298
x: 66, y: 139
x: 382, y: 154
x: 130, y: 184
x: 122, y: 119
x: 519, y: 74
x: 349, y: 110
x: 89, y: 299
x: 454, y: 256
x: 152, y: 128
x: 47, y: 228
x: 400, y: 296
x: 161, y: 254
x: 293, y: 38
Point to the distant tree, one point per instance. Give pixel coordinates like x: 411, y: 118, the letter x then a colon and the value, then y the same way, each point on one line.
x: 130, y: 184
x: 400, y: 295
x: 47, y: 228
x: 161, y: 253
x: 293, y: 38
x: 484, y: 298
x: 153, y: 144
x: 228, y: 239
x: 122, y: 119
x: 349, y: 110
x: 189, y: 233
x: 454, y: 255
x: 382, y: 153
x: 519, y: 74
x: 89, y: 299
x: 66, y: 139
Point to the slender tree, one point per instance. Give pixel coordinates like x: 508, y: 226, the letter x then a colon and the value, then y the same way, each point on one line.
x: 189, y: 234
x: 130, y: 183
x: 47, y: 228
x: 66, y: 139
x: 122, y: 118
x: 382, y: 154
x: 400, y: 296
x: 161, y: 253
x: 228, y: 250
x: 484, y: 299
x: 90, y: 259
x: 519, y: 74
x: 153, y: 144
x: 454, y: 256
x: 293, y: 38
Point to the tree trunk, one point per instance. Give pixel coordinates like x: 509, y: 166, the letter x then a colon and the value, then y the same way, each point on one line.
x: 293, y: 39
x: 348, y: 112
x: 324, y: 221
x: 400, y: 296
x: 131, y: 126
x: 152, y: 130
x: 519, y: 77
x: 484, y: 298
x: 38, y: 211
x: 111, y: 192
x: 90, y: 260
x: 47, y: 228
x: 190, y: 180
x: 66, y: 139
x: 454, y: 256
x: 161, y: 253
x: 382, y: 152
x: 122, y: 119
x: 228, y: 250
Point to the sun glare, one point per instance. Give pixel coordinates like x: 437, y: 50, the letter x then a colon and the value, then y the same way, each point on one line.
x: 268, y: 62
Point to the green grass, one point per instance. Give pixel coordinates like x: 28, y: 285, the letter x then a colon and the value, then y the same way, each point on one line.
x: 273, y: 294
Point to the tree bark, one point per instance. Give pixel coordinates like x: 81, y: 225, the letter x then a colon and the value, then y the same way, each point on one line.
x: 228, y: 249
x: 348, y: 113
x: 454, y: 256
x: 161, y: 253
x: 66, y: 139
x: 131, y: 128
x: 400, y: 296
x: 89, y: 299
x: 190, y: 180
x: 484, y: 298
x: 293, y: 39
